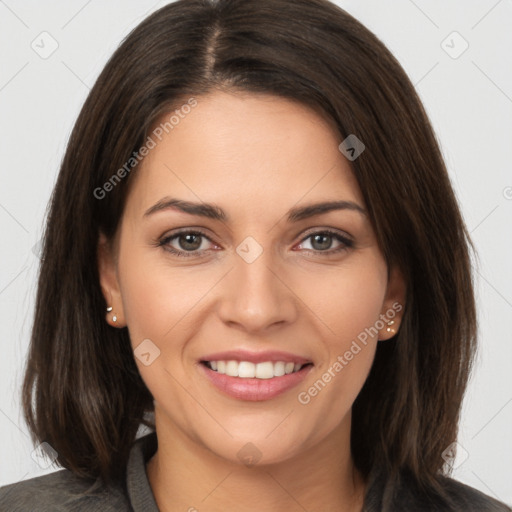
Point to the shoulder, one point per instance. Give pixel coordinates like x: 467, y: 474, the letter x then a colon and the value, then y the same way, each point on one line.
x: 405, y: 493
x: 62, y: 491
x: 470, y: 499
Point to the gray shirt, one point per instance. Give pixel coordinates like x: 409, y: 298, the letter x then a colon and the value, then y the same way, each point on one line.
x: 62, y: 491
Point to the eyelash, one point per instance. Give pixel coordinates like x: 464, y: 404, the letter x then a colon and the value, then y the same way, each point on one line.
x: 347, y: 243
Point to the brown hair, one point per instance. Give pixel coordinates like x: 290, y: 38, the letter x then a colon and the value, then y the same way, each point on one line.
x: 82, y: 391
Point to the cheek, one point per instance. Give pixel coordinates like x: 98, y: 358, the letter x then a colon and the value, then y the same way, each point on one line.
x: 346, y: 307
x: 157, y: 298
x: 347, y: 300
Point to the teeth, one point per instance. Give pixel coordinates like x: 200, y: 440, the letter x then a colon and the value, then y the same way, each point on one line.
x: 264, y: 370
x: 279, y: 369
x: 232, y: 368
x: 248, y: 370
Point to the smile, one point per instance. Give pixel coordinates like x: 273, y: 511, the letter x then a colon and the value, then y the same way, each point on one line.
x: 249, y: 370
x: 244, y: 380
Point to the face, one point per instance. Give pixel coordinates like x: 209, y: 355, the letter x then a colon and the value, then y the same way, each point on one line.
x: 258, y: 285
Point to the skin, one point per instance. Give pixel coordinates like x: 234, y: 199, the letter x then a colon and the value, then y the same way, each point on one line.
x: 255, y: 156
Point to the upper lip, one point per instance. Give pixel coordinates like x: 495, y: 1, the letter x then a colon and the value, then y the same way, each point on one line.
x: 256, y: 357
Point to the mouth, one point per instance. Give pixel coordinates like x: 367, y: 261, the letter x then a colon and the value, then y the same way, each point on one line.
x: 249, y: 370
x: 254, y: 381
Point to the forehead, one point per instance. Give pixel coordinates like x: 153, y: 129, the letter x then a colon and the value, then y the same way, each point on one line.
x: 248, y: 149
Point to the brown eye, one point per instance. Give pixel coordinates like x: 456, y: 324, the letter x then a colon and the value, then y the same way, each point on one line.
x: 189, y: 242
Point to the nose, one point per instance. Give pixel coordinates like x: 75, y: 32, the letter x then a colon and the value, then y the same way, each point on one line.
x: 256, y: 296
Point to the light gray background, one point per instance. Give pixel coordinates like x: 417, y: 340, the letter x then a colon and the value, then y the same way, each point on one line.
x: 468, y: 98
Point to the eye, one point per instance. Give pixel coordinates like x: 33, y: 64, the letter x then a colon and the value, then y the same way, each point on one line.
x: 190, y: 243
x: 321, y: 242
x: 186, y: 243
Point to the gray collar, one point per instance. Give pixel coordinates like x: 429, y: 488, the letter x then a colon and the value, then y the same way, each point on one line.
x: 139, y: 491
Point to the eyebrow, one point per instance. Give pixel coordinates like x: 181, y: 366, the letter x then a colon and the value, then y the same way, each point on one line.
x: 214, y: 212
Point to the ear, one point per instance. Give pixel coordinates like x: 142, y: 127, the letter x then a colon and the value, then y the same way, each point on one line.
x: 107, y: 269
x: 394, y: 304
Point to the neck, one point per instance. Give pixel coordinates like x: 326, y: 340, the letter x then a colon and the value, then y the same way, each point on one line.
x: 185, y: 475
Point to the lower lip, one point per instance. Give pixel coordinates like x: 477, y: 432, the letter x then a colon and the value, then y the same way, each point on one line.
x: 255, y: 389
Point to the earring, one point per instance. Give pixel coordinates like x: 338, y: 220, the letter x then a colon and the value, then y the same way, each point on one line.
x: 390, y: 329
x: 114, y: 318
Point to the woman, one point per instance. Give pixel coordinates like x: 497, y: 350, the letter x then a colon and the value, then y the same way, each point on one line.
x: 254, y: 249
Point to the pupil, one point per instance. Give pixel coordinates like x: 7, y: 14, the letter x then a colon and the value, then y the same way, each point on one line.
x: 320, y: 237
x: 189, y: 241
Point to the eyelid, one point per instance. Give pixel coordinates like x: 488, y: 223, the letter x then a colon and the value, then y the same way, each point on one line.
x: 186, y: 230
x: 331, y: 231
